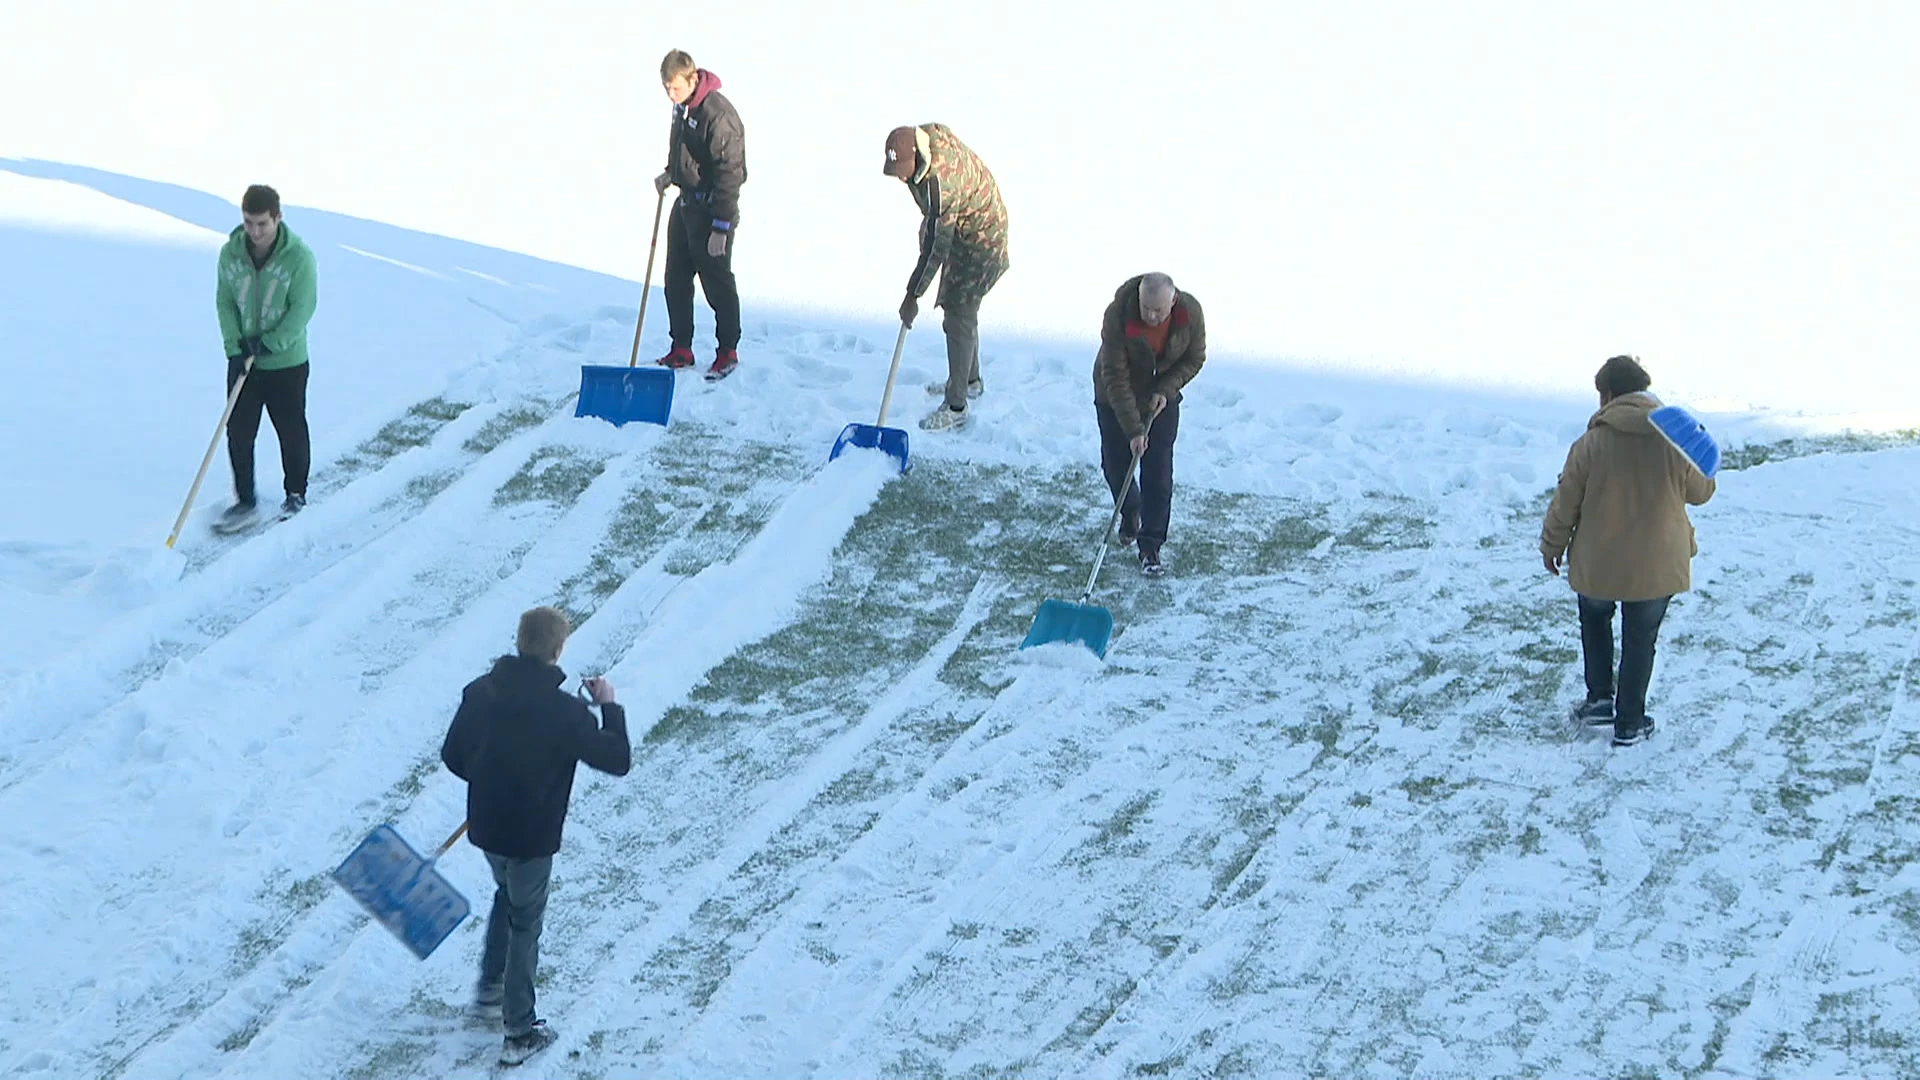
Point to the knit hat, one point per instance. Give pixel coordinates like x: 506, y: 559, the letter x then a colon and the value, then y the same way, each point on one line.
x: 900, y: 151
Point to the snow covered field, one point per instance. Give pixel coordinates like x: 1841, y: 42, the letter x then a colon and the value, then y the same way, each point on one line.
x: 1318, y: 814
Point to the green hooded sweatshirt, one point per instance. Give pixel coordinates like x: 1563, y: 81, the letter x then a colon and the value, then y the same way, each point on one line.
x: 273, y: 303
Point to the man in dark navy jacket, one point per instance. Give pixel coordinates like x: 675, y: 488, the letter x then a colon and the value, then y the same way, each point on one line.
x: 516, y: 740
x: 707, y: 161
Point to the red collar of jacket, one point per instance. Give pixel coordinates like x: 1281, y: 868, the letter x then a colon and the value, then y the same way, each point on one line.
x: 1135, y: 328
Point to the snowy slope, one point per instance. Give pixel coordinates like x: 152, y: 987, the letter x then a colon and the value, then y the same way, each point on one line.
x: 1317, y: 814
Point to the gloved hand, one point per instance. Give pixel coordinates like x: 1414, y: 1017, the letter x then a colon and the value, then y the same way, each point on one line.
x: 236, y: 367
x: 908, y: 309
x: 717, y: 244
x: 255, y: 349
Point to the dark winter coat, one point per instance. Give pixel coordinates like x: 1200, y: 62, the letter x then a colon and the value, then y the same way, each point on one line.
x: 707, y: 152
x: 1126, y: 374
x: 963, y: 229
x: 515, y: 740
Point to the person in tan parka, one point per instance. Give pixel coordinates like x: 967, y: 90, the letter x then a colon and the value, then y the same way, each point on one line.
x: 1619, y: 518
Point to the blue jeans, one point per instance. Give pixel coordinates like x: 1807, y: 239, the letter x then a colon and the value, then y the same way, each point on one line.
x: 512, y: 951
x: 1639, y: 629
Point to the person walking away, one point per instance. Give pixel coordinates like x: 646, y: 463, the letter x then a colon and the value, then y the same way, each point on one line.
x: 707, y: 161
x: 1619, y: 519
x: 963, y: 238
x: 516, y: 739
x: 265, y: 294
x: 1153, y: 341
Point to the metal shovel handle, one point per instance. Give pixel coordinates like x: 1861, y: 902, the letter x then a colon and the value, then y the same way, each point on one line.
x: 1106, y: 537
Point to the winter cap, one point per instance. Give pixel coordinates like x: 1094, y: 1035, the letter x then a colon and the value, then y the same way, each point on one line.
x: 1621, y: 375
x: 900, y: 149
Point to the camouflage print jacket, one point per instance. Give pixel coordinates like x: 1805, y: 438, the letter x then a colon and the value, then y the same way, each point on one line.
x: 963, y: 236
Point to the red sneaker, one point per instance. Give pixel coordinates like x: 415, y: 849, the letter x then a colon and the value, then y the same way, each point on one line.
x: 677, y: 357
x: 724, y: 362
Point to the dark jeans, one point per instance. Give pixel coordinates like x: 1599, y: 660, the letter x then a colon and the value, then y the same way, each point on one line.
x: 283, y: 394
x: 1639, y: 627
x: 513, y: 934
x: 688, y: 228
x: 1150, y: 501
x: 962, y: 326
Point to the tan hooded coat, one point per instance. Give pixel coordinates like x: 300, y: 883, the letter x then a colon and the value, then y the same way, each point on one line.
x: 1620, y: 511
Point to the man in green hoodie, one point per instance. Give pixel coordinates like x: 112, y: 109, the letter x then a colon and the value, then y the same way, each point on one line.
x: 265, y: 296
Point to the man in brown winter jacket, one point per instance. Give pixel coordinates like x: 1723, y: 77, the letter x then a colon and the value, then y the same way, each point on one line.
x: 1153, y: 341
x: 1619, y: 517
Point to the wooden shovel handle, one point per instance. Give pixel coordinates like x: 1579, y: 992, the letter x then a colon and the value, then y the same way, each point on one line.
x: 457, y: 834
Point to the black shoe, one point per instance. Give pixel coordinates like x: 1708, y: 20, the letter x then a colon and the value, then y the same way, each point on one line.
x: 519, y: 1048
x: 1593, y: 713
x: 1629, y: 736
x: 1150, y: 563
x: 487, y: 1000
x: 293, y: 505
x: 236, y: 517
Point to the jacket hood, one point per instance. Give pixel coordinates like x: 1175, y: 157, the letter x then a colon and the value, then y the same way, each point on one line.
x: 523, y: 670
x: 286, y: 241
x: 705, y: 82
x: 1630, y: 414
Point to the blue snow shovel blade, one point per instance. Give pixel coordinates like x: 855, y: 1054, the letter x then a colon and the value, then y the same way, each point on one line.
x: 1689, y: 436
x: 1057, y: 620
x: 402, y: 891
x: 620, y: 395
x: 893, y: 440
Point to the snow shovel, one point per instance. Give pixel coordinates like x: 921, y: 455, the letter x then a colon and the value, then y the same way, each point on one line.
x: 402, y: 891
x: 620, y: 395
x: 233, y: 396
x: 1089, y: 624
x: 892, y: 440
x: 1689, y: 436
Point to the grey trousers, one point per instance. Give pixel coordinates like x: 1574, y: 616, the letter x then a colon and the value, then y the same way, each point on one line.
x: 962, y: 326
x: 512, y: 951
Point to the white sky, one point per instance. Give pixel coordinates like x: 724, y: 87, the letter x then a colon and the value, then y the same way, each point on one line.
x: 1503, y: 192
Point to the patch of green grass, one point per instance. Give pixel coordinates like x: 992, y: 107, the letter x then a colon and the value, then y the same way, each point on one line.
x: 554, y: 474
x: 637, y: 528
x: 287, y: 904
x: 1404, y: 525
x: 1093, y: 1016
x: 510, y: 422
x: 1112, y: 838
x: 416, y: 427
x: 1429, y: 788
x: 1749, y: 455
x: 393, y: 1058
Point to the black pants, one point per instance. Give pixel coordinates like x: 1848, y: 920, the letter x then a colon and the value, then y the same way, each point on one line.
x: 283, y: 394
x: 687, y: 231
x: 1639, y: 627
x: 1150, y: 501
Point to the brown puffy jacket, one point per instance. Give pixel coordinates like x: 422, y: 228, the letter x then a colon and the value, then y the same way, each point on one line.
x: 1620, y: 512
x: 1126, y: 374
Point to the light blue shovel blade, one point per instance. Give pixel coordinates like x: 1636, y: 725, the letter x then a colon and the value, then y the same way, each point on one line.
x: 1058, y: 620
